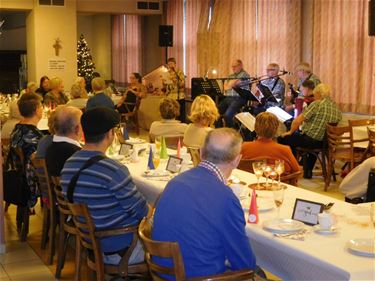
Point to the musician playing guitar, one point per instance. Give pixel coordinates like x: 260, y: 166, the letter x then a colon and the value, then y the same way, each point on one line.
x: 233, y: 102
x: 276, y: 86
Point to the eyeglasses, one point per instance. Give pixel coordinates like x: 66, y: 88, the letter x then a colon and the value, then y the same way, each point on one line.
x: 236, y: 65
x: 271, y: 69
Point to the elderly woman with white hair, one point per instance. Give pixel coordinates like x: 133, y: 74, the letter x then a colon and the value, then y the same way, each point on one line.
x: 313, y: 121
x: 76, y: 97
x: 56, y: 94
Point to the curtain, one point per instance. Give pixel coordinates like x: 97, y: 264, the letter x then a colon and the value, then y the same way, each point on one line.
x: 175, y: 17
x: 126, y: 47
x: 343, y: 53
x: 230, y: 36
x: 118, y: 48
x: 278, y: 34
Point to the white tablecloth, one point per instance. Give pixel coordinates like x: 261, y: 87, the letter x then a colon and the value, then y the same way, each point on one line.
x: 318, y: 257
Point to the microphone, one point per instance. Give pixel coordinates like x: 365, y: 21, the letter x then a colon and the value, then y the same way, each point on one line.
x: 286, y: 72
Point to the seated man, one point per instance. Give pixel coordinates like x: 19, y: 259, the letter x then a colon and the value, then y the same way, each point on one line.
x: 200, y: 212
x: 266, y: 125
x: 65, y: 142
x: 100, y: 98
x: 354, y: 185
x: 106, y: 186
x: 168, y: 126
x: 313, y: 121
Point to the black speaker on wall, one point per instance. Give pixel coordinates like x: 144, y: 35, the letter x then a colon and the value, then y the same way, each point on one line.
x: 371, y: 18
x: 165, y: 35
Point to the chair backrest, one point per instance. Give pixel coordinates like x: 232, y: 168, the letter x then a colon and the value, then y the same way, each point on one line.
x: 359, y: 123
x: 371, y: 139
x: 43, y: 179
x: 119, y: 135
x: 61, y: 201
x: 86, y: 230
x: 170, y: 250
x: 338, y: 138
x: 195, y: 155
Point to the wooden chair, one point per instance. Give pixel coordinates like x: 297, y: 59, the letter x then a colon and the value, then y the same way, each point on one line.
x: 354, y: 141
x: 340, y: 147
x: 247, y: 165
x: 371, y: 139
x: 49, y: 208
x: 171, y: 141
x: 195, y: 155
x: 89, y: 237
x: 67, y: 230
x: 171, y: 250
x: 119, y: 135
x: 133, y: 115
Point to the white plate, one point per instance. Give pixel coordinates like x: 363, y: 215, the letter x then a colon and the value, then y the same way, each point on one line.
x: 283, y: 226
x: 156, y: 173
x: 330, y: 231
x: 362, y: 247
x: 117, y: 157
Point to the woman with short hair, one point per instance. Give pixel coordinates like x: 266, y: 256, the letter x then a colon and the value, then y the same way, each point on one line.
x: 203, y: 114
x: 26, y: 136
x: 76, y: 97
x: 56, y: 94
x: 266, y: 125
x: 168, y: 126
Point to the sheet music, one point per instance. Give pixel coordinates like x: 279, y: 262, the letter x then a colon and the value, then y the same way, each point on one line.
x: 247, y: 120
x: 282, y: 115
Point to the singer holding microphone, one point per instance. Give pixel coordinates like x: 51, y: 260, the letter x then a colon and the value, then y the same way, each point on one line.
x: 175, y: 86
x: 233, y: 102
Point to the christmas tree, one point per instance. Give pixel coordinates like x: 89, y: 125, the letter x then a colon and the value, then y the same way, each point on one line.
x: 84, y: 60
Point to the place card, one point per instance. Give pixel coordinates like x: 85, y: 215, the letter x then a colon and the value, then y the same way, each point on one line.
x: 125, y: 149
x: 174, y: 164
x: 307, y: 211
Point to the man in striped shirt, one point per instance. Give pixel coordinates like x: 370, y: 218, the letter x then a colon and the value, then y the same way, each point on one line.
x: 106, y: 186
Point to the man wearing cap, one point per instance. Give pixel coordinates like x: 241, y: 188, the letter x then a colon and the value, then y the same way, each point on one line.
x: 106, y: 186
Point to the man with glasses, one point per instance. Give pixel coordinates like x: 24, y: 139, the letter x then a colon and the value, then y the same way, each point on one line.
x: 233, y: 102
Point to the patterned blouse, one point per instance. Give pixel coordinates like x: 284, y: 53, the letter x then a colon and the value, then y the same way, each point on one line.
x: 26, y: 137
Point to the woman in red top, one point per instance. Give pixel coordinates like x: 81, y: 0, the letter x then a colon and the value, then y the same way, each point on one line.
x: 266, y: 125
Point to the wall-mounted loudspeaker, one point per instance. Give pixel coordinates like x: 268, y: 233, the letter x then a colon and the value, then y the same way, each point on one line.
x: 371, y: 18
x: 165, y: 35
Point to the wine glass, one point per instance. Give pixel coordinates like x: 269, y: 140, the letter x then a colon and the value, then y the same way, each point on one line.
x: 267, y: 171
x: 278, y: 197
x: 280, y: 168
x: 273, y: 174
x: 158, y: 143
x: 258, y: 167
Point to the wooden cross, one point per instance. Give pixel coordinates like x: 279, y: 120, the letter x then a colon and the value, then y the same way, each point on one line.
x: 57, y: 46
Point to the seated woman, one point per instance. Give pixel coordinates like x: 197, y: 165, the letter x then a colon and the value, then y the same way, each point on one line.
x: 26, y: 136
x: 203, y: 114
x: 135, y: 90
x: 168, y: 126
x: 266, y: 125
x: 82, y: 84
x: 43, y: 86
x: 56, y: 94
x: 77, y: 99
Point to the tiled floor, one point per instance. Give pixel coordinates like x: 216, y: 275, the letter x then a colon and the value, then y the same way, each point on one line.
x: 26, y: 261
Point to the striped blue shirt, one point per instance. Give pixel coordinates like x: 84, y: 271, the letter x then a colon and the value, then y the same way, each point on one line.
x: 108, y: 190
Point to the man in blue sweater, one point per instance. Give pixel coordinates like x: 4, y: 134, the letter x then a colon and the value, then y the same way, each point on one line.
x: 106, y: 186
x: 201, y: 213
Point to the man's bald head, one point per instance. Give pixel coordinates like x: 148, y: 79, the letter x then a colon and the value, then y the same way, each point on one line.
x: 66, y: 120
x: 221, y: 146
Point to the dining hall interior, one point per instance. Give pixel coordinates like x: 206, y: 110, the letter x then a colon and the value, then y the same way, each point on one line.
x: 271, y: 100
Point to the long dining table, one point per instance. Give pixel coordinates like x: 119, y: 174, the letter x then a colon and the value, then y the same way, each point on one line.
x: 317, y: 257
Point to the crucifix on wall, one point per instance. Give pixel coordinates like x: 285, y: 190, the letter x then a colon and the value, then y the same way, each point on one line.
x: 57, y: 46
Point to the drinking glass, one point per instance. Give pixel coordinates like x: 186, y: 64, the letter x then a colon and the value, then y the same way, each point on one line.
x: 258, y: 170
x: 158, y: 143
x: 156, y: 160
x: 280, y: 168
x: 267, y: 171
x: 273, y: 174
x: 278, y: 197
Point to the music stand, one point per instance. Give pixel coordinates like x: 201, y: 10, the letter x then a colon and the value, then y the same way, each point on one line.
x: 267, y: 94
x: 246, y: 94
x: 200, y: 86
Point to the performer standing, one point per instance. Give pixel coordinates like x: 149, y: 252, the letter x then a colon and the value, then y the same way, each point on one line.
x: 175, y: 86
x: 233, y: 102
x: 276, y: 86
